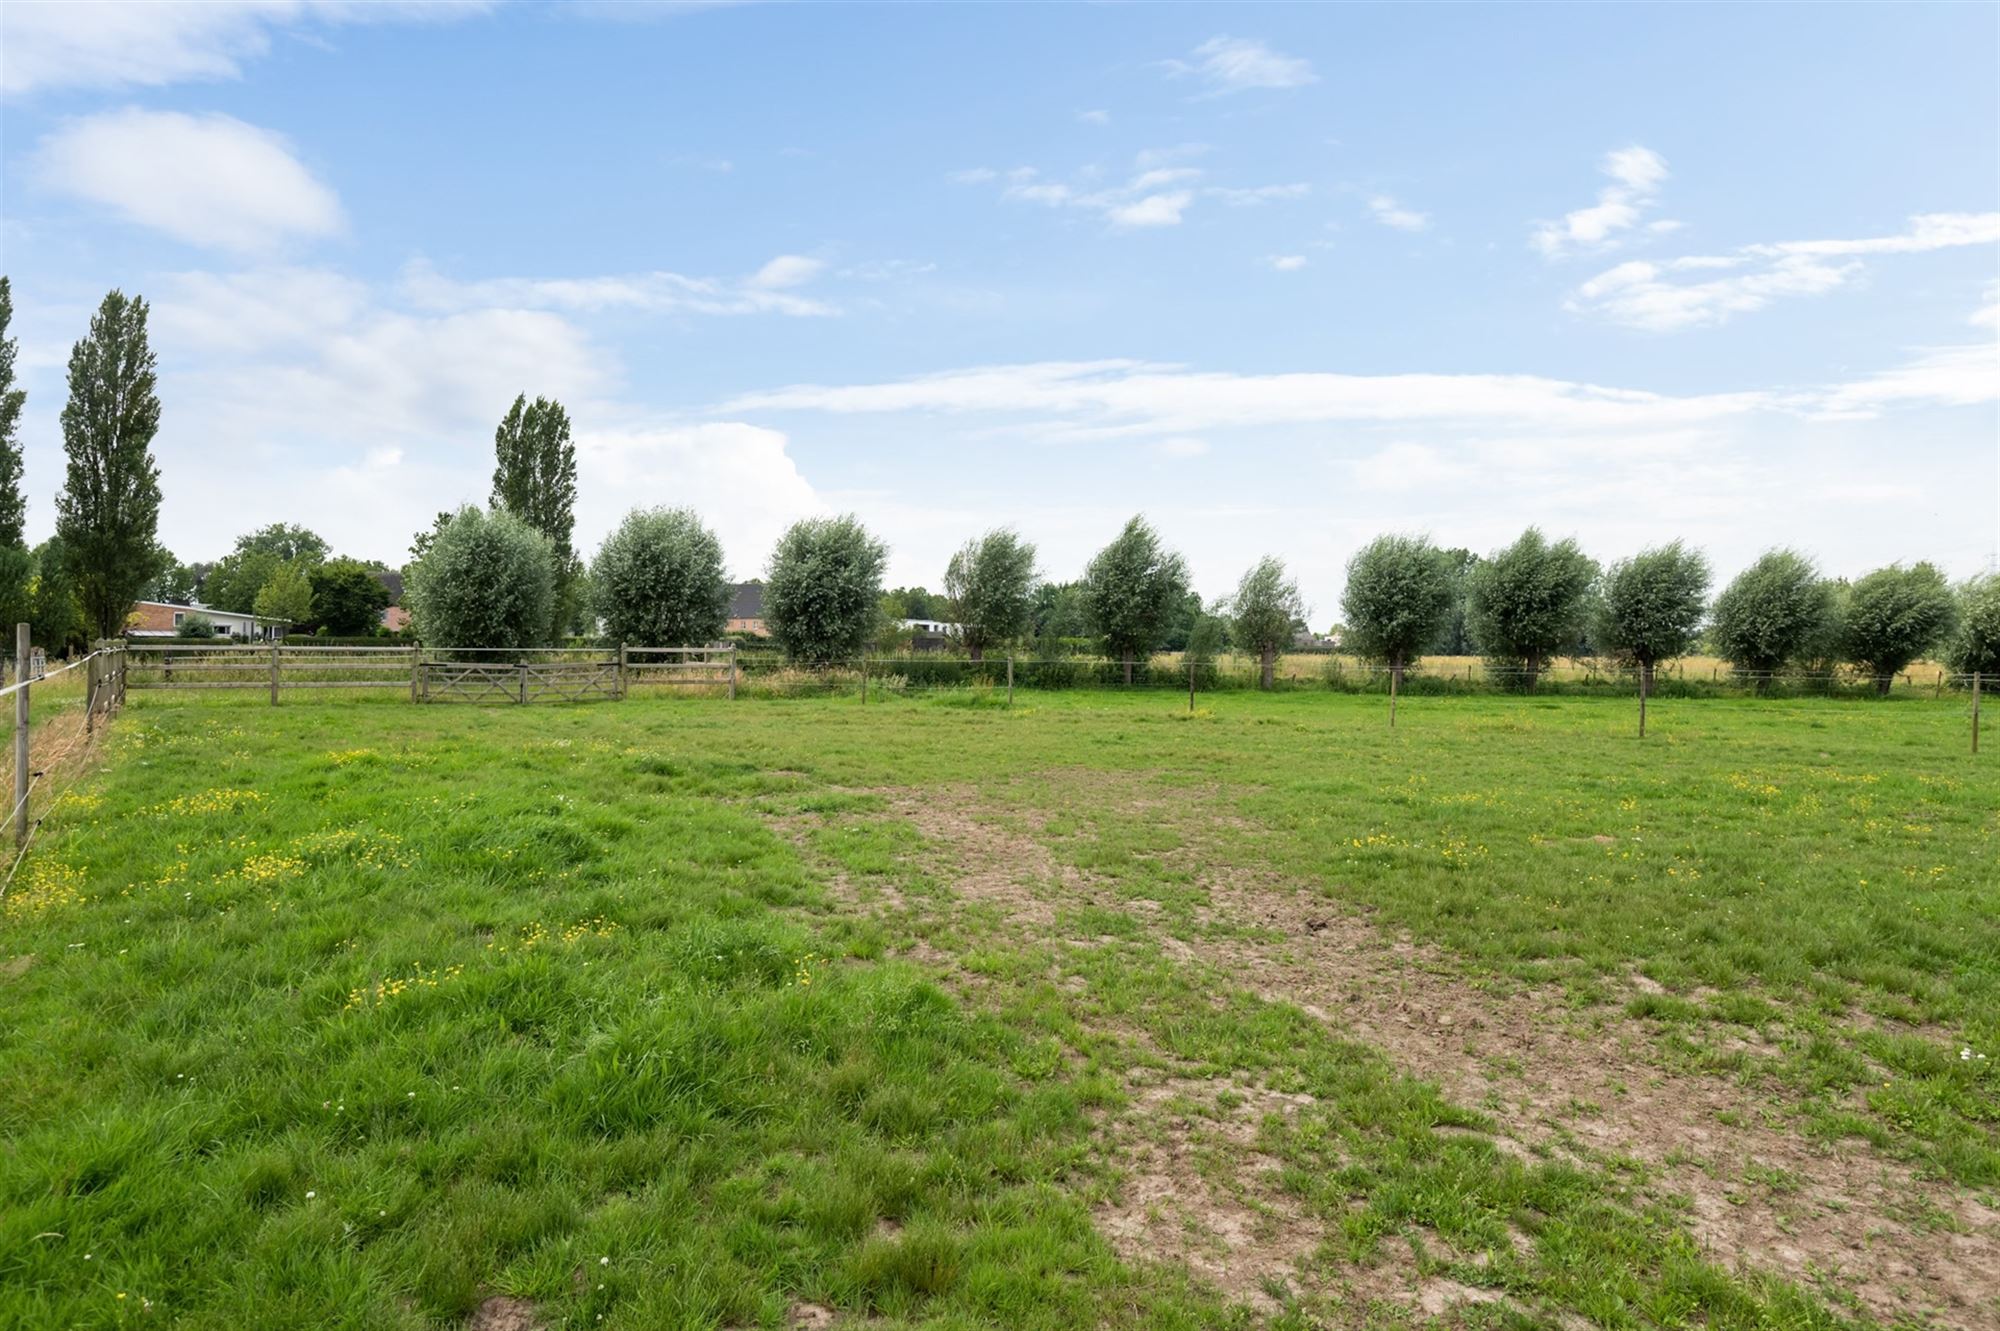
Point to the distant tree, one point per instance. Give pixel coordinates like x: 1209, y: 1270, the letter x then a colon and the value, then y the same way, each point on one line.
x: 1397, y: 601
x: 421, y: 542
x: 1060, y: 613
x: 175, y: 583
x: 347, y: 598
x: 1264, y: 611
x: 1771, y: 614
x: 1187, y: 611
x: 1893, y: 616
x: 194, y: 624
x: 108, y: 513
x: 1652, y: 605
x: 1455, y: 638
x: 16, y: 563
x: 1132, y: 586
x: 287, y: 595
x: 286, y: 542
x: 658, y: 580
x: 1206, y: 637
x: 534, y: 478
x: 1528, y: 601
x: 485, y: 580
x: 55, y: 615
x: 1975, y: 647
x: 13, y: 504
x: 988, y: 589
x: 913, y: 603
x: 821, y: 592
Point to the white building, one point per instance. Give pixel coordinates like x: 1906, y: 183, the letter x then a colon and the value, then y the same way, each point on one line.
x: 164, y: 619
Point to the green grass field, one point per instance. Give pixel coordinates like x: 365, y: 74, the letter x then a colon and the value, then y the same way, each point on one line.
x: 1087, y: 1012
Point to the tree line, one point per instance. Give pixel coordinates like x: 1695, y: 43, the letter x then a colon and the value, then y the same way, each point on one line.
x: 508, y: 575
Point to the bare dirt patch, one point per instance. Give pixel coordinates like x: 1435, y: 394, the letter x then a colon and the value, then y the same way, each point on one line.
x: 504, y: 1313
x: 1555, y: 1080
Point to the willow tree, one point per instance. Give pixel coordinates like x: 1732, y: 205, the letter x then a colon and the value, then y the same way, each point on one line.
x: 1265, y: 614
x: 990, y: 583
x: 1398, y: 600
x: 822, y: 589
x: 1652, y: 606
x: 1771, y: 613
x: 1132, y: 587
x: 1893, y: 616
x: 1528, y: 601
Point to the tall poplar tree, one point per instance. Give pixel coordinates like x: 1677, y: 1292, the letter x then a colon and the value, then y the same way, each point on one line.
x: 16, y: 565
x: 534, y: 478
x: 108, y: 514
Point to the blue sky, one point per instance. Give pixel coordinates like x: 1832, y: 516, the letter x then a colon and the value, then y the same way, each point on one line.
x: 1282, y: 277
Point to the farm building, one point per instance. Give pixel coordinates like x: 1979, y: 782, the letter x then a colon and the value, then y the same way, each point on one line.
x: 746, y: 609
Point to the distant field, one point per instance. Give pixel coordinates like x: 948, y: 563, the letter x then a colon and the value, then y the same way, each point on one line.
x: 1088, y: 1012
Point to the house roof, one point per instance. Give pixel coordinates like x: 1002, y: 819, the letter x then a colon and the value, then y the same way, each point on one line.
x: 211, y: 611
x: 746, y: 600
x: 392, y: 580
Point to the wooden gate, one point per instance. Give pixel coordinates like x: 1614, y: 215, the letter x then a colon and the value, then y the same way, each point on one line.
x: 516, y: 681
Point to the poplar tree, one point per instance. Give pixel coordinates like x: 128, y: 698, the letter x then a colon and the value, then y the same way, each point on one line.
x: 108, y: 514
x: 534, y: 478
x: 16, y: 565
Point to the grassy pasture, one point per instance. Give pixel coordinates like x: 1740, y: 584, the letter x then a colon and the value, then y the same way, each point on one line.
x: 678, y: 1013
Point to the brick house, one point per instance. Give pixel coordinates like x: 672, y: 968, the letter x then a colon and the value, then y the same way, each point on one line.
x: 164, y: 619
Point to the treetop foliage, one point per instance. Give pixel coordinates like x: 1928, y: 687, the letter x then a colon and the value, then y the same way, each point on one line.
x: 1975, y: 647
x: 821, y: 593
x: 1893, y: 616
x: 486, y: 580
x: 658, y: 580
x: 1132, y: 586
x: 1771, y: 613
x: 1398, y: 598
x: 1530, y: 600
x: 1652, y: 604
x: 989, y: 586
x: 347, y: 598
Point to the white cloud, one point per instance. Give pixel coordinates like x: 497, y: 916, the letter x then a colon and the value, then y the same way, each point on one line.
x: 1700, y: 289
x: 208, y: 180
x: 1286, y: 263
x: 65, y: 44
x: 975, y: 175
x: 787, y: 270
x: 1238, y: 64
x: 1077, y: 401
x: 1093, y: 117
x: 772, y: 289
x: 1182, y: 446
x: 1250, y: 198
x: 1153, y: 210
x: 741, y: 478
x: 1389, y: 213
x: 1636, y: 175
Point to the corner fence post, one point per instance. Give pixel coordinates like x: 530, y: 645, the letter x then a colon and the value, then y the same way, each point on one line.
x: 21, y: 650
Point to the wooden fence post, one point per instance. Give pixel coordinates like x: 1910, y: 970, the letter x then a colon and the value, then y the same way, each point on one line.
x: 1010, y: 679
x: 90, y: 673
x: 1975, y: 711
x: 732, y: 672
x: 1394, y: 675
x: 1190, y: 666
x: 1642, y: 701
x: 274, y: 674
x: 864, y: 680
x: 524, y: 682
x: 21, y: 650
x: 621, y: 671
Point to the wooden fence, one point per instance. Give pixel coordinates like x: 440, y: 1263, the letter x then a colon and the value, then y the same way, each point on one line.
x: 454, y: 674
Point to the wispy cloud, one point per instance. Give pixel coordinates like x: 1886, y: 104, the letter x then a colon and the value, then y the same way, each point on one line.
x: 772, y: 289
x: 208, y: 180
x: 1697, y: 290
x: 1389, y: 213
x: 1097, y: 117
x: 1158, y: 192
x: 1237, y: 64
x: 1286, y: 263
x: 65, y: 44
x: 1636, y: 175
